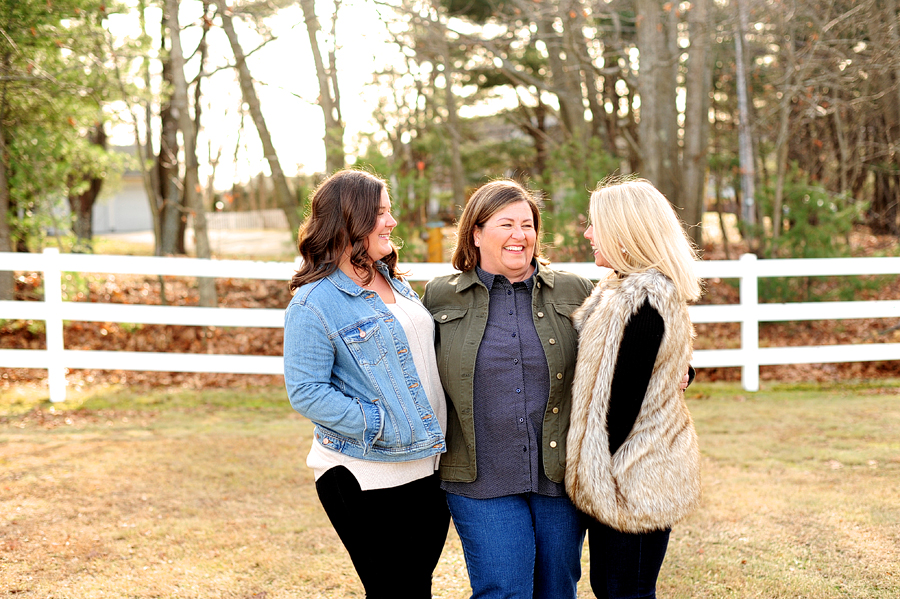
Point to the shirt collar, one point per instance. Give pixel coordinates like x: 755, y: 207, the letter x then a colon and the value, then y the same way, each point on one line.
x: 490, y: 279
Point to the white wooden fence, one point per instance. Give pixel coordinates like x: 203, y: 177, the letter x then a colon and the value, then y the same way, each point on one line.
x: 749, y: 313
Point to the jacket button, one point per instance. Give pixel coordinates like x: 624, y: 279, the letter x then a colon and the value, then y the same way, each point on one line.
x: 540, y: 314
x: 552, y: 341
x: 443, y: 317
x: 556, y: 410
x: 559, y: 375
x: 552, y: 443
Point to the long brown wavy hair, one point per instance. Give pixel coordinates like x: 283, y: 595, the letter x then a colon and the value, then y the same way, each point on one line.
x: 343, y: 212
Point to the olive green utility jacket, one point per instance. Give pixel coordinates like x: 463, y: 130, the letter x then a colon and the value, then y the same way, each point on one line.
x: 459, y: 305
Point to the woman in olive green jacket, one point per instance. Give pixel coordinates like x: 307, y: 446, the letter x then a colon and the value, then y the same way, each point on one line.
x: 506, y: 355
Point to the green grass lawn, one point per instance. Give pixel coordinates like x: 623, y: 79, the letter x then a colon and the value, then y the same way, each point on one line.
x: 180, y: 493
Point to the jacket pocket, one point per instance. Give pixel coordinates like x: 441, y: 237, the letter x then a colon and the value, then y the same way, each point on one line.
x: 365, y: 342
x: 565, y: 328
x: 447, y: 325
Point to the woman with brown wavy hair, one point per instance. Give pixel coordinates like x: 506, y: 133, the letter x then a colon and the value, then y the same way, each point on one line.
x: 359, y: 362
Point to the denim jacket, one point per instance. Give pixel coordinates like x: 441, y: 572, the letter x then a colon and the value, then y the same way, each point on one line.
x: 348, y: 368
x: 459, y: 305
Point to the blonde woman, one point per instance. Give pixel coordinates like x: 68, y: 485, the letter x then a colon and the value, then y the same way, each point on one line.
x: 633, y: 463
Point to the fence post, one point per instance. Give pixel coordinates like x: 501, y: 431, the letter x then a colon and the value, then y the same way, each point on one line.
x: 750, y: 322
x: 56, y: 369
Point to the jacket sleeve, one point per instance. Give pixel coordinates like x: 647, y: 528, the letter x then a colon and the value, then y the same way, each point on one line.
x: 309, y: 361
x: 637, y: 354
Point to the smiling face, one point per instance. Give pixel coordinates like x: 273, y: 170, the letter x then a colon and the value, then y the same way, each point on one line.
x: 599, y: 258
x: 506, y: 242
x: 378, y: 242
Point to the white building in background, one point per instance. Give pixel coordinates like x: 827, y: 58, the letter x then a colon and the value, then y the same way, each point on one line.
x: 123, y: 206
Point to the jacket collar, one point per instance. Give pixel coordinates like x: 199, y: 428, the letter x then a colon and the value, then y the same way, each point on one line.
x: 350, y: 287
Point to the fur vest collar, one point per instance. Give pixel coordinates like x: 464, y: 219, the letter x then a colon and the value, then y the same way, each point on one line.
x: 653, y: 480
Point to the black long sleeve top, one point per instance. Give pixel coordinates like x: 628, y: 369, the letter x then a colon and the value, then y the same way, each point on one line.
x: 634, y: 365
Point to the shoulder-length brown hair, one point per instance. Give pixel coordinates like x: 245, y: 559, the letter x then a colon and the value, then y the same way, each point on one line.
x: 484, y: 203
x: 343, y: 211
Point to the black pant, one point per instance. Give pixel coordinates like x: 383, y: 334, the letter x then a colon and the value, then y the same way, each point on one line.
x: 394, y: 536
x: 625, y: 565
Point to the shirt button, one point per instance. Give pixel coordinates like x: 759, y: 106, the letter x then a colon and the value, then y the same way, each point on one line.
x: 518, y: 390
x: 510, y: 312
x: 509, y: 292
x: 552, y: 341
x: 515, y: 360
x: 559, y: 375
x: 552, y: 443
x: 521, y: 420
x: 540, y: 314
x: 513, y: 334
x: 556, y: 410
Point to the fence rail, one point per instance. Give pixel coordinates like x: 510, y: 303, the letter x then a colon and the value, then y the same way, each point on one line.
x: 749, y: 313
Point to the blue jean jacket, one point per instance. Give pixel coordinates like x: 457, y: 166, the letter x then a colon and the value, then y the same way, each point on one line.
x: 348, y: 368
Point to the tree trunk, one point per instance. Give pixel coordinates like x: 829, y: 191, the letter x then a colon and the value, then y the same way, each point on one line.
x: 782, y: 142
x: 82, y: 205
x: 745, y: 141
x: 286, y: 199
x: 329, y: 96
x: 457, y: 175
x: 171, y: 211
x: 696, y: 119
x: 671, y: 175
x: 7, y: 277
x: 565, y: 75
x: 577, y: 45
x: 649, y: 42
x: 192, y: 196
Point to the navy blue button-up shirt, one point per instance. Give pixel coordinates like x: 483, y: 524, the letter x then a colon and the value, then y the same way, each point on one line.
x: 511, y: 390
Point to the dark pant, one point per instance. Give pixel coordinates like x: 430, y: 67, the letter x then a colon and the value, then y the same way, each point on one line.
x: 394, y: 536
x: 623, y: 565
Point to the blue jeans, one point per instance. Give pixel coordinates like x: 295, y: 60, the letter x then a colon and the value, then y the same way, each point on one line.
x: 623, y: 565
x: 520, y: 546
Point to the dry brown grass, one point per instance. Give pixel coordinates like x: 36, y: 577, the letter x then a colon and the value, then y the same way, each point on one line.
x: 206, y: 494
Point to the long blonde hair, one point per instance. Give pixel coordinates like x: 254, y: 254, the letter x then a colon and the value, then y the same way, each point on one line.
x: 635, y: 228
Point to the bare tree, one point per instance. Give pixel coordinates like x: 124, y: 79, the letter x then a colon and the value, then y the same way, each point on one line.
x: 748, y: 169
x: 82, y: 203
x: 329, y: 91
x: 191, y: 188
x: 696, y: 117
x: 283, y: 193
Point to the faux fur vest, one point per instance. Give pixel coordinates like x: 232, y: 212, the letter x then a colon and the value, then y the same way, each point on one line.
x: 653, y: 480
